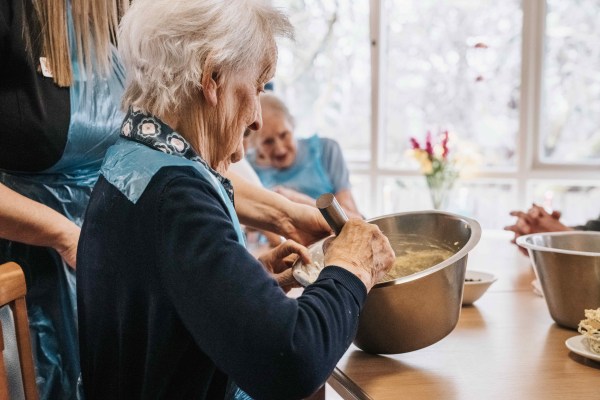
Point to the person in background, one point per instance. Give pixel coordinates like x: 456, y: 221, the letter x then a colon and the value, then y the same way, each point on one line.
x: 537, y: 220
x: 60, y: 89
x: 170, y: 303
x: 299, y: 169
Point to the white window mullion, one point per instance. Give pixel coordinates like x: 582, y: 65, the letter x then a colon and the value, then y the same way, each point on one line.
x: 532, y: 58
x: 377, y: 118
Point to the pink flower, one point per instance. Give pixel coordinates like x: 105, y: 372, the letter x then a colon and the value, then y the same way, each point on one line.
x: 428, y: 145
x: 415, y: 145
x: 445, y: 149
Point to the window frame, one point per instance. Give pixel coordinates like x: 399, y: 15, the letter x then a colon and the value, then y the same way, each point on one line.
x: 529, y: 166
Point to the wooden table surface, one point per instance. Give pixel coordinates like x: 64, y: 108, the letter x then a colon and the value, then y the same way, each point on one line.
x: 505, y: 346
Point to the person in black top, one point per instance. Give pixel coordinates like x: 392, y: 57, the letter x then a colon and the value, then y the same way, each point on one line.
x: 170, y: 303
x: 61, y: 83
x: 58, y: 115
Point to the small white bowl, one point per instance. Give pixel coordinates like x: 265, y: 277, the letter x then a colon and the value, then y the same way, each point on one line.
x: 476, y: 283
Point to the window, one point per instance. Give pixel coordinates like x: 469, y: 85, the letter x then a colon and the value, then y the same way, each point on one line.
x: 518, y: 80
x: 324, y: 76
x: 571, y: 93
x: 452, y: 64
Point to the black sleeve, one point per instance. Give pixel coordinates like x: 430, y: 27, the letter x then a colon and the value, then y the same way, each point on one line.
x: 591, y: 225
x: 271, y: 345
x: 4, y: 29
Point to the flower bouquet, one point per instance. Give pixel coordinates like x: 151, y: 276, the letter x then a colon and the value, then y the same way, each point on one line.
x: 439, y: 170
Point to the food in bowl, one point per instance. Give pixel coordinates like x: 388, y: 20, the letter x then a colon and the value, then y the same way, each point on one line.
x: 590, y: 329
x: 417, y: 254
x: 414, y: 253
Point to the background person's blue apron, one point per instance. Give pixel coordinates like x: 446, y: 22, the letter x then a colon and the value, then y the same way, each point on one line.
x: 65, y: 187
x: 306, y: 174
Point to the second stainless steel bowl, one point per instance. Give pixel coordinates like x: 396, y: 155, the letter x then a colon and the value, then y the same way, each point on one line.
x: 567, y: 265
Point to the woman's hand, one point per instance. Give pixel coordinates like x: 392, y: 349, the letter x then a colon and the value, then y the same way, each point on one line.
x: 304, y: 224
x: 362, y: 249
x: 278, y: 262
x: 67, y: 245
x: 27, y: 221
x: 535, y: 220
x: 263, y: 209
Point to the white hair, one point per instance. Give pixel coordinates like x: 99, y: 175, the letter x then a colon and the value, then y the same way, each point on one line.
x: 165, y: 45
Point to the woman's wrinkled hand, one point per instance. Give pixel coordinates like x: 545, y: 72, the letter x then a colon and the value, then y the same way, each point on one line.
x: 278, y: 262
x: 362, y: 249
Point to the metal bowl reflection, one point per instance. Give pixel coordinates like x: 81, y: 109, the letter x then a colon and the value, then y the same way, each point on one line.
x: 415, y: 311
x: 567, y: 265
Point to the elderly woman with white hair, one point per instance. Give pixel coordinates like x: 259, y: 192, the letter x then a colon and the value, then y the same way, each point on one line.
x: 171, y: 305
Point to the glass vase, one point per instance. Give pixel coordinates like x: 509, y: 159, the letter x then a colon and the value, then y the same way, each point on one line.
x: 440, y: 189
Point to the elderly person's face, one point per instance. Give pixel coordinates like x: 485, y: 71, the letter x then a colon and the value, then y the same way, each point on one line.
x: 275, y: 144
x: 243, y: 101
x: 240, y: 111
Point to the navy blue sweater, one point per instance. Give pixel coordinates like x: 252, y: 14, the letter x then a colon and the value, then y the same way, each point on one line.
x: 168, y: 298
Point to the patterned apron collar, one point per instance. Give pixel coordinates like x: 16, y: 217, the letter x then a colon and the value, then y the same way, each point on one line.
x: 152, y: 132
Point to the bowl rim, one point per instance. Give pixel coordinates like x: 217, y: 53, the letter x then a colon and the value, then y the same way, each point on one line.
x: 523, y: 242
x: 491, y: 278
x: 471, y: 243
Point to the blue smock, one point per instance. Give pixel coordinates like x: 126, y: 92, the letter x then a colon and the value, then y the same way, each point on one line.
x: 306, y: 174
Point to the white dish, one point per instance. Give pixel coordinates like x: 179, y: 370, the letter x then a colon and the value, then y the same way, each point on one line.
x: 578, y: 345
x: 476, y: 284
x: 537, y: 287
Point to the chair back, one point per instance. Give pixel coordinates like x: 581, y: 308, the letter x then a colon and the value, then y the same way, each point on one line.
x: 12, y: 294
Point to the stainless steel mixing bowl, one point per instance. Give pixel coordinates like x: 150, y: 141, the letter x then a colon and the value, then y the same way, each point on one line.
x: 415, y: 311
x: 567, y: 265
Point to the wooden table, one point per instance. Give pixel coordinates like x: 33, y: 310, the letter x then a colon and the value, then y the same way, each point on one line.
x: 505, y: 346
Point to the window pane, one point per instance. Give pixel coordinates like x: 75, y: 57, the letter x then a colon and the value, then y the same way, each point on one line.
x: 578, y: 203
x: 361, y: 191
x: 324, y: 76
x: 570, y: 128
x: 489, y: 202
x: 453, y: 64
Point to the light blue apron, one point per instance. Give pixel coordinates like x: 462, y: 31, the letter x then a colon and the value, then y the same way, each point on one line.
x: 129, y: 166
x: 306, y: 175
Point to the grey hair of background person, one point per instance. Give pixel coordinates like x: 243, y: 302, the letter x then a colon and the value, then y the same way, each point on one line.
x: 269, y: 101
x: 166, y: 44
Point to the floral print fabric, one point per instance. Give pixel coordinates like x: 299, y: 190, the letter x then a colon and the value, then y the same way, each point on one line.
x: 151, y: 131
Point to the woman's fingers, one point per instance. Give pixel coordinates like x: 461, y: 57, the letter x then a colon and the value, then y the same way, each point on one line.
x: 290, y: 247
x: 281, y: 257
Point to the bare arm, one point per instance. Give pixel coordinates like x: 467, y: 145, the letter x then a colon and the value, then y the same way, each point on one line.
x: 264, y: 209
x: 344, y: 197
x: 294, y: 196
x: 27, y: 221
